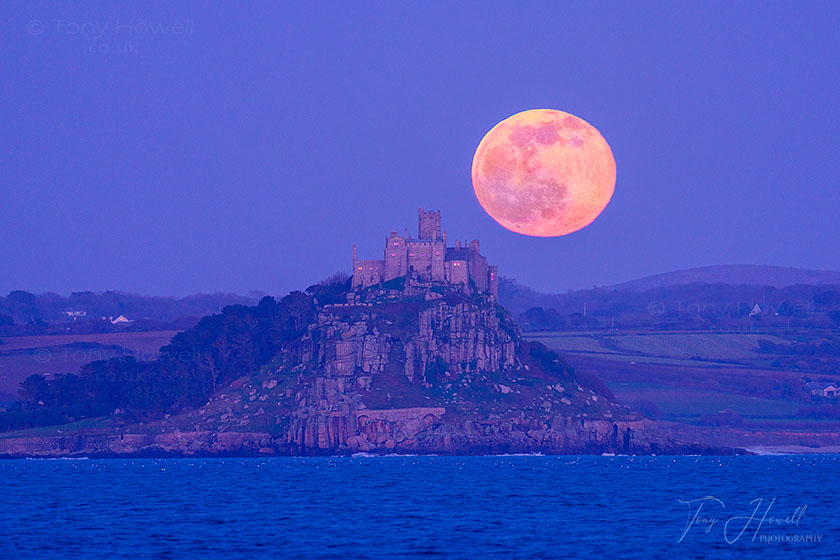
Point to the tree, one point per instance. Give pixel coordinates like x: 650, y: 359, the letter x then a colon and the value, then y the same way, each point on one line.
x: 20, y: 297
x: 300, y: 309
x: 34, y: 389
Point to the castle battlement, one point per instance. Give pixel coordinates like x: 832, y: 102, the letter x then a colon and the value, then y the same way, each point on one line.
x: 428, y: 259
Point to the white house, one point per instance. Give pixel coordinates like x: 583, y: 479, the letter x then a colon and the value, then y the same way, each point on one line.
x: 822, y: 389
x: 75, y: 314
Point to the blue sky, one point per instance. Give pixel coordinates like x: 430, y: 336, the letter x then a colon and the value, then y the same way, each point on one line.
x: 172, y: 148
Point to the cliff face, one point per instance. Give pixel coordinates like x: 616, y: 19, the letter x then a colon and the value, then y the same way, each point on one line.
x: 428, y: 373
x: 404, y: 371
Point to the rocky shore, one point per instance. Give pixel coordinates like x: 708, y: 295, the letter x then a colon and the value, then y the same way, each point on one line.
x: 381, y: 437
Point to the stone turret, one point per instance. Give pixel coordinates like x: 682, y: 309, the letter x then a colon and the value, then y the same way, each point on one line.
x: 428, y: 224
x: 493, y: 281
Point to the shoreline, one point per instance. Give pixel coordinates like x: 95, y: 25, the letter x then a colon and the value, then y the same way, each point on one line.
x: 750, y: 453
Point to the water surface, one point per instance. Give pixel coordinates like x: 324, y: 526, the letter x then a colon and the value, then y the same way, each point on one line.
x: 387, y: 507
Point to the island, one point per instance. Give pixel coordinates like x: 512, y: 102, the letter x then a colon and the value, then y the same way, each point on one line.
x: 412, y: 354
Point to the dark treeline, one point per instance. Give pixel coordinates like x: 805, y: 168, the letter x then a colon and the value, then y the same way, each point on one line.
x: 820, y: 412
x: 23, y: 313
x: 197, y: 362
x: 688, y: 306
x: 819, y: 354
x: 819, y: 348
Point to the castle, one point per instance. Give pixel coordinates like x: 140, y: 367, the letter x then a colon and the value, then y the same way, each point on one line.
x: 428, y: 259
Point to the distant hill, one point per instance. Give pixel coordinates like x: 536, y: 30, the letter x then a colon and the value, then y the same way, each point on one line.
x: 23, y: 313
x: 717, y: 297
x: 734, y: 274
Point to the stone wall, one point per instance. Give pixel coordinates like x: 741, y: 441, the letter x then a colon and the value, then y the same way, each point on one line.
x: 367, y: 273
x: 457, y: 272
x: 420, y: 258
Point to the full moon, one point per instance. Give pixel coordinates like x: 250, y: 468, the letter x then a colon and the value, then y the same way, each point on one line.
x: 544, y: 173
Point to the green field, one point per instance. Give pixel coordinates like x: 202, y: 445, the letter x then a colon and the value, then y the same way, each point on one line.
x: 688, y: 375
x: 728, y: 347
x: 26, y: 355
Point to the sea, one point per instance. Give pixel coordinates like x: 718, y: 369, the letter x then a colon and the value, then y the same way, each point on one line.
x: 782, y: 506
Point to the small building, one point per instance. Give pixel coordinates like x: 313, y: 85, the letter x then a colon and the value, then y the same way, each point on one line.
x: 121, y: 320
x: 822, y: 389
x: 75, y: 314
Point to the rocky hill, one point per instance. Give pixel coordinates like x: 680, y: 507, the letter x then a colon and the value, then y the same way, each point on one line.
x: 399, y: 369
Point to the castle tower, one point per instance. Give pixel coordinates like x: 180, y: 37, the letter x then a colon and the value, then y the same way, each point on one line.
x: 493, y: 280
x: 428, y: 225
x: 396, y: 258
x: 357, y: 278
